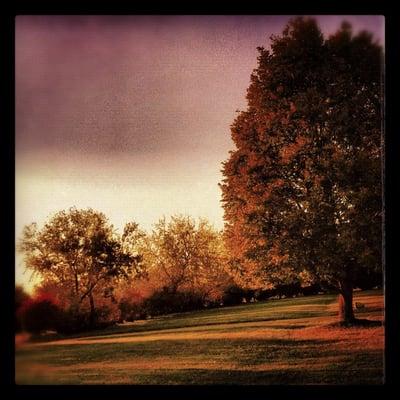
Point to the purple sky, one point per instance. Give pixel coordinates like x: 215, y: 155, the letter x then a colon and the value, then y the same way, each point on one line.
x: 130, y: 115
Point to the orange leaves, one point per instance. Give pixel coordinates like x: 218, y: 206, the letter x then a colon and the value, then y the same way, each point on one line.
x: 254, y: 160
x: 278, y: 183
x: 261, y: 242
x: 276, y: 257
x: 289, y: 151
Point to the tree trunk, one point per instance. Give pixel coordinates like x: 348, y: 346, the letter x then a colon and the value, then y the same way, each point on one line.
x: 346, y: 313
x: 76, y: 285
x: 92, y: 318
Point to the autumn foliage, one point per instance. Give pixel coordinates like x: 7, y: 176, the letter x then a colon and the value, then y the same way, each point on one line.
x: 302, y: 189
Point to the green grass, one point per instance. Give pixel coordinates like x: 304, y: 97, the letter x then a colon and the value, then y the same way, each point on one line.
x: 261, y: 311
x: 269, y: 342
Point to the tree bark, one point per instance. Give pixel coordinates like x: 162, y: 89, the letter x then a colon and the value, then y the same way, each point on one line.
x: 76, y: 285
x: 92, y: 317
x: 346, y: 313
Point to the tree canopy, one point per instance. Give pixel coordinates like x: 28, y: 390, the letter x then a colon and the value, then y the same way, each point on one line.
x: 186, y: 255
x: 302, y: 189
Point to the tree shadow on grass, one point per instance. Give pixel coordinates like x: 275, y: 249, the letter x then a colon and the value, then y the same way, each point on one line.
x: 241, y: 351
x: 254, y: 362
x: 285, y: 376
x: 358, y: 323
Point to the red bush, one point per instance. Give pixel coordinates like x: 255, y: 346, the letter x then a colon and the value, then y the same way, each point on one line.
x: 40, y: 313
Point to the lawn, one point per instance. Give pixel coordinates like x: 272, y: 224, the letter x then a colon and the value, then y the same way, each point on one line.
x: 288, y: 341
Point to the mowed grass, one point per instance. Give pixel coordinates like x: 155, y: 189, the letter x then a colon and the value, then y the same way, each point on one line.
x: 289, y: 341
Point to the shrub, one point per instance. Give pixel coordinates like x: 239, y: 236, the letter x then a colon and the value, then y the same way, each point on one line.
x: 288, y: 290
x: 311, y: 289
x: 131, y: 311
x: 20, y: 298
x: 73, y: 320
x: 130, y: 301
x: 369, y: 280
x: 234, y: 294
x: 165, y: 301
x: 39, y: 314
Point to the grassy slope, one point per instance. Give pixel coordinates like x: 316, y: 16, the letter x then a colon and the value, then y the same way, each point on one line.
x: 286, y: 341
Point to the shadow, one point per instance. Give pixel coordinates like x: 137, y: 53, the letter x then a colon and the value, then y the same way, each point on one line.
x: 254, y: 361
x: 287, y: 376
x: 358, y: 322
x: 243, y: 351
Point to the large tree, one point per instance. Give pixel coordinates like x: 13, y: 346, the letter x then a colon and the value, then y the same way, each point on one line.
x: 302, y: 189
x: 79, y: 252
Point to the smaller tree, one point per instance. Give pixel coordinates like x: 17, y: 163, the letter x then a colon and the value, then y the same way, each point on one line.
x: 79, y: 252
x: 185, y: 256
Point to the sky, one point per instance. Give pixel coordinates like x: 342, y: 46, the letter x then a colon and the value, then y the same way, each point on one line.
x: 131, y: 115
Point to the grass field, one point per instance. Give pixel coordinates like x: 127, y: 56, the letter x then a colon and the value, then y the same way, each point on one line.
x: 288, y: 341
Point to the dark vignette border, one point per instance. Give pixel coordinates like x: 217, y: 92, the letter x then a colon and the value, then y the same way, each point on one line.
x: 391, y: 199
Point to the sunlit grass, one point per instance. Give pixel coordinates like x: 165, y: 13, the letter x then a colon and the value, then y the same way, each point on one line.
x: 263, y: 311
x: 291, y: 341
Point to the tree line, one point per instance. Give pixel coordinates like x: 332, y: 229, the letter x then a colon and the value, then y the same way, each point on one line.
x: 96, y: 275
x: 91, y: 276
